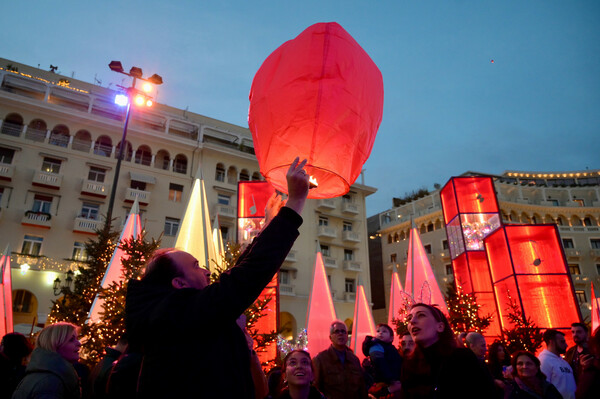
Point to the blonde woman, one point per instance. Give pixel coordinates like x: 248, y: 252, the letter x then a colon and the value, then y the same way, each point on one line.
x: 50, y: 373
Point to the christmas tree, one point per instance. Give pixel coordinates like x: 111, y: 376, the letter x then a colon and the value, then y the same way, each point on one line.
x: 524, y: 334
x: 75, y: 305
x: 464, y: 311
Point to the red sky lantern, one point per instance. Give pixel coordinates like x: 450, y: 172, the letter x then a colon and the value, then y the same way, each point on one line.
x: 319, y: 97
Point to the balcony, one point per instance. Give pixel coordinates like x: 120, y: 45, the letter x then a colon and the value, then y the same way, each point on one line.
x: 326, y: 231
x: 142, y: 196
x: 287, y: 289
x: 352, y: 266
x: 595, y: 254
x: 6, y: 172
x: 330, y: 262
x: 350, y: 236
x: 326, y: 203
x: 349, y: 296
x: 349, y: 207
x: 47, y: 179
x: 572, y: 253
x: 291, y: 256
x: 87, y: 226
x: 94, y: 188
x: 226, y: 211
x: 37, y: 219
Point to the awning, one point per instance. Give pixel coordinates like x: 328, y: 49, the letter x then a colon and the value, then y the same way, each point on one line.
x: 143, y: 178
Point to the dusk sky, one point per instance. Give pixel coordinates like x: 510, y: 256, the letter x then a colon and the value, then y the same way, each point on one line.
x: 447, y: 109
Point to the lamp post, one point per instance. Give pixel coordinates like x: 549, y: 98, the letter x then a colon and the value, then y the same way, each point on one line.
x: 141, y: 98
x: 66, y: 286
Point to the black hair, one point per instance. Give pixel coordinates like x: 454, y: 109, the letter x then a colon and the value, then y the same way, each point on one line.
x: 550, y: 334
x: 161, y: 269
x: 582, y: 325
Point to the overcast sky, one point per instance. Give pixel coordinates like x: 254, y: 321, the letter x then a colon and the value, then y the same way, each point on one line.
x: 448, y: 107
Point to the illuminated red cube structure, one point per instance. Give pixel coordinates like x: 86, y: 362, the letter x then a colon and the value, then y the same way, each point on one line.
x: 471, y: 213
x: 252, y: 200
x: 529, y: 268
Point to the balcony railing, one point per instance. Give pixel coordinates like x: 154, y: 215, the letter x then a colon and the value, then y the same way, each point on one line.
x: 142, y: 196
x: 326, y: 231
x: 350, y: 236
x: 286, y: 289
x: 47, y: 179
x: 349, y: 296
x: 352, y: 266
x: 11, y: 129
x: 84, y: 225
x: 326, y: 203
x: 291, y: 256
x: 349, y: 207
x: 227, y: 211
x: 40, y: 219
x: 94, y: 188
x: 330, y: 262
x: 595, y: 254
x: 572, y: 253
x: 6, y: 171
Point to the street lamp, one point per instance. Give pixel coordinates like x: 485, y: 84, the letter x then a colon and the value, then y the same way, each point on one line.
x: 124, y: 99
x: 66, y: 286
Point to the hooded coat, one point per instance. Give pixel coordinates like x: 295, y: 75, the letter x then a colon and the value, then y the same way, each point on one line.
x: 48, y: 376
x: 191, y: 343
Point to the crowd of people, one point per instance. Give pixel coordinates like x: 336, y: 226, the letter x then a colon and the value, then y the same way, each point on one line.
x: 186, y: 338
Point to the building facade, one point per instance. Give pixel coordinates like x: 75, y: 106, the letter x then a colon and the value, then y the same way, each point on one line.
x: 59, y: 139
x: 569, y: 199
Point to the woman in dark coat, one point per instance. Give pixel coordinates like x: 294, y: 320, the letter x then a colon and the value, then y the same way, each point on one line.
x: 50, y: 373
x: 529, y: 381
x: 438, y: 368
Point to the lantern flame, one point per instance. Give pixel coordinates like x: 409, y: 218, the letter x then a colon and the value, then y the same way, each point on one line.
x: 313, y: 182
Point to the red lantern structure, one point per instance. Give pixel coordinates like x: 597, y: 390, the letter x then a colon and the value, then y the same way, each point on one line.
x: 528, y: 266
x: 471, y: 213
x: 252, y: 200
x: 319, y: 97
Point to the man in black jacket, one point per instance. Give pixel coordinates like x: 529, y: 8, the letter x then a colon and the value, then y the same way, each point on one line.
x: 186, y: 328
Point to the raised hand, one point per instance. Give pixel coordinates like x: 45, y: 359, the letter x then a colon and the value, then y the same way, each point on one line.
x: 298, y: 185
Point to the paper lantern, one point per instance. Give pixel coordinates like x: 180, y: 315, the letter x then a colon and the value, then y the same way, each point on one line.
x: 319, y: 97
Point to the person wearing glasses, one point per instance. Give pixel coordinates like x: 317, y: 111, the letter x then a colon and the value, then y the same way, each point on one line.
x: 338, y: 374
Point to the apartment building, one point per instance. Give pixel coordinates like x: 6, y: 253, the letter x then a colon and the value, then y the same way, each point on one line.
x: 569, y: 199
x: 59, y: 138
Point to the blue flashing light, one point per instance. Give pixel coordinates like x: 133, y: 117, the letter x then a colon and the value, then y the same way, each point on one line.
x: 121, y: 99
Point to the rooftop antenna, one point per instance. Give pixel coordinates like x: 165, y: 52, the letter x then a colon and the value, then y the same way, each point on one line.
x: 98, y: 81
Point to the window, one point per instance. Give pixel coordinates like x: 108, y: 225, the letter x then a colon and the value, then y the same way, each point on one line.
x: 348, y: 254
x: 41, y: 203
x: 554, y: 202
x: 427, y: 248
x: 175, y: 192
x: 22, y: 302
x: 595, y: 243
x: 449, y: 270
x: 225, y: 232
x: 1, y: 193
x: 138, y: 185
x: 325, y: 250
x: 349, y: 285
x: 444, y: 244
x: 32, y: 245
x: 574, y: 269
x: 223, y: 199
x: 244, y: 176
x: 579, y: 201
x: 171, y: 226
x: 598, y: 268
x: 587, y: 221
x: 79, y: 252
x: 6, y: 155
x: 568, y: 243
x: 51, y: 165
x: 347, y: 226
x: 89, y: 211
x: 284, y: 277
x: 96, y: 174
x: 393, y: 258
x: 220, y: 173
x: 390, y: 239
x: 323, y: 221
x: 581, y: 297
x: 430, y: 227
x: 347, y: 198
